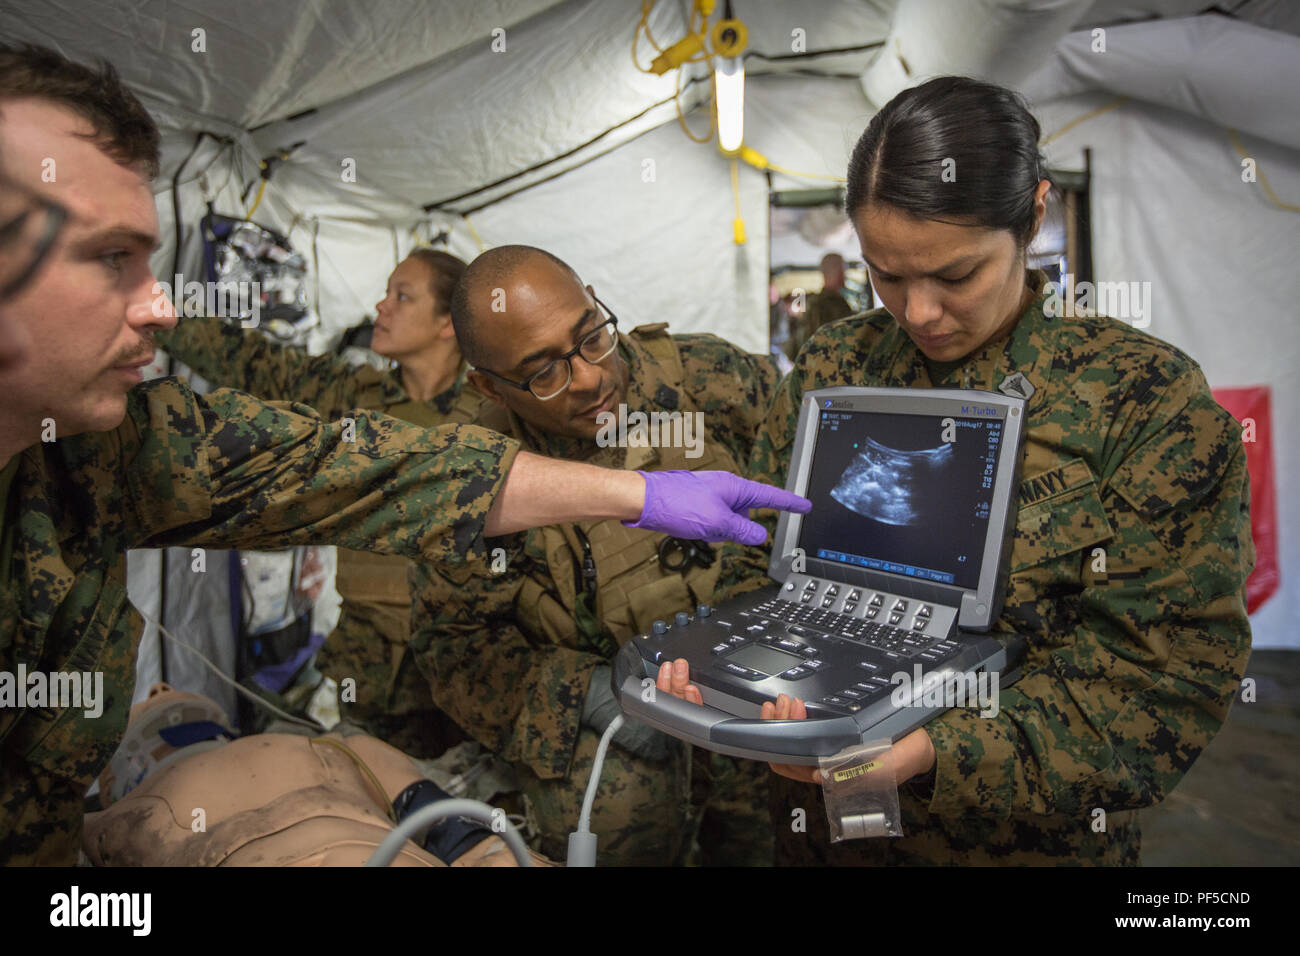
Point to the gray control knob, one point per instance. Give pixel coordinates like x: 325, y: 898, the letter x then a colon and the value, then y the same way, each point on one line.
x: 659, y: 627
x: 703, y: 610
x: 682, y: 619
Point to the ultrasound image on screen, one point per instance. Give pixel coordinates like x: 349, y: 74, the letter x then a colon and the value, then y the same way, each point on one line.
x: 890, y: 494
x: 892, y: 485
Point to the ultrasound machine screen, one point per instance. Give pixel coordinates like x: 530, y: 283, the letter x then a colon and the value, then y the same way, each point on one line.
x: 902, y: 493
x: 900, y: 566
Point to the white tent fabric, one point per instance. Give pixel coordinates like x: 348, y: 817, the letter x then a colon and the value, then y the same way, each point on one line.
x: 1001, y: 41
x: 1192, y: 64
x: 551, y: 137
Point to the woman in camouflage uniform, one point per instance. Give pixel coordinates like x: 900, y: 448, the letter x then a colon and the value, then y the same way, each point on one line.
x: 1132, y: 542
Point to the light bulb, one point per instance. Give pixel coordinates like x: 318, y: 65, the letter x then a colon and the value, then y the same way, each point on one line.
x: 729, y: 92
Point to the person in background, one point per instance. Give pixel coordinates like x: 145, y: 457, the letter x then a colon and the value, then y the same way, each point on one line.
x: 426, y: 386
x: 829, y: 305
x: 820, y: 308
x: 94, y: 461
x: 521, y: 658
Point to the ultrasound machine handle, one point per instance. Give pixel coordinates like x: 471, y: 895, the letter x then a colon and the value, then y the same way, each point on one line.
x: 777, y: 741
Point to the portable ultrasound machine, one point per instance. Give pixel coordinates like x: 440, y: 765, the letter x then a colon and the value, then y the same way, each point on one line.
x: 901, y: 562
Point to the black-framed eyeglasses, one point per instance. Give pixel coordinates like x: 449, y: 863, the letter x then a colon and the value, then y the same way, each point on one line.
x: 29, y: 226
x: 554, y: 377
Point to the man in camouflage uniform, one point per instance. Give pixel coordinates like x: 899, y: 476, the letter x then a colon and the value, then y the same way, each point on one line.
x: 1131, y: 551
x: 821, y: 308
x: 427, y: 388
x: 92, y: 462
x: 516, y: 657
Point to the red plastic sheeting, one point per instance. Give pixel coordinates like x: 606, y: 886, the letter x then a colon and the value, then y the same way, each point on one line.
x: 1249, y: 405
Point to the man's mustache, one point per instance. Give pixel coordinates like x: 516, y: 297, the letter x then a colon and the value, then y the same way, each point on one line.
x: 138, y: 354
x: 586, y: 400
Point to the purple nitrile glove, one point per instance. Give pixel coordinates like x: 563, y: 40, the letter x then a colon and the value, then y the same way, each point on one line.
x: 710, y: 505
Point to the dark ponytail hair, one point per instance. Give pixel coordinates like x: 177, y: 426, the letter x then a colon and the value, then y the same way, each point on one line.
x: 445, y: 270
x: 987, y: 134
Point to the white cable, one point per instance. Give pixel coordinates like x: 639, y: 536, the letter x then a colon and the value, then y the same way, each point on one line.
x: 309, y: 724
x: 427, y: 816
x: 584, y: 819
x: 582, y: 842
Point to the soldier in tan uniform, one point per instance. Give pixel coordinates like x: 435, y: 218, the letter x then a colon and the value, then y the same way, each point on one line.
x: 520, y: 658
x: 427, y: 387
x: 1132, y: 541
x: 92, y: 462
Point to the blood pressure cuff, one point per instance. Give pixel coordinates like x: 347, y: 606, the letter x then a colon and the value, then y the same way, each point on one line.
x: 449, y: 838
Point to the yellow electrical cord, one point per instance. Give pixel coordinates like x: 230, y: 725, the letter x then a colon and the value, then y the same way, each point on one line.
x: 1259, y: 175
x: 756, y: 159
x: 1091, y: 114
x: 1232, y: 135
x: 735, y: 184
x: 258, y: 201
x: 801, y: 175
x: 737, y: 224
x: 702, y: 31
x: 474, y: 233
x: 644, y: 25
x: 681, y: 117
x: 698, y: 28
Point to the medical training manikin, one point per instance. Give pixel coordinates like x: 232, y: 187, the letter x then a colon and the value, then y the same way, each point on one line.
x: 180, y: 792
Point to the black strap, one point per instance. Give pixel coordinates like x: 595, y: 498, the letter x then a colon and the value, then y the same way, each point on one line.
x: 448, y: 839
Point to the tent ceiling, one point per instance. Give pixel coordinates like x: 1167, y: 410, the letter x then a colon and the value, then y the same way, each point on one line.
x: 412, y: 91
x: 263, y: 61
x: 1281, y: 15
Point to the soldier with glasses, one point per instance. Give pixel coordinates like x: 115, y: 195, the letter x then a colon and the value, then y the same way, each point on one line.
x: 521, y: 658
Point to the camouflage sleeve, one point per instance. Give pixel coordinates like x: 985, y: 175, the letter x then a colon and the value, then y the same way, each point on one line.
x: 229, y: 356
x: 226, y: 470
x: 1135, y: 673
x: 745, y: 568
x: 733, y: 388
x: 519, y: 698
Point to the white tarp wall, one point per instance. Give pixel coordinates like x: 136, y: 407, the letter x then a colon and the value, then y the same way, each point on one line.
x: 416, y: 94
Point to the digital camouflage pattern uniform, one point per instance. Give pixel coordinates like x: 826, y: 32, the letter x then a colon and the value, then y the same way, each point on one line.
x: 220, y: 470
x: 369, y: 642
x: 1130, y: 670
x: 822, y: 308
x: 510, y: 656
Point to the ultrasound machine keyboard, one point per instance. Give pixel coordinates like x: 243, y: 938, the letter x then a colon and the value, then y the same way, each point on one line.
x: 839, y: 644
x: 886, y: 595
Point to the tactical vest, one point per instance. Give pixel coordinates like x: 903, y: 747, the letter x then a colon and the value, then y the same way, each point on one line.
x: 630, y: 587
x: 467, y: 405
x: 365, y: 578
